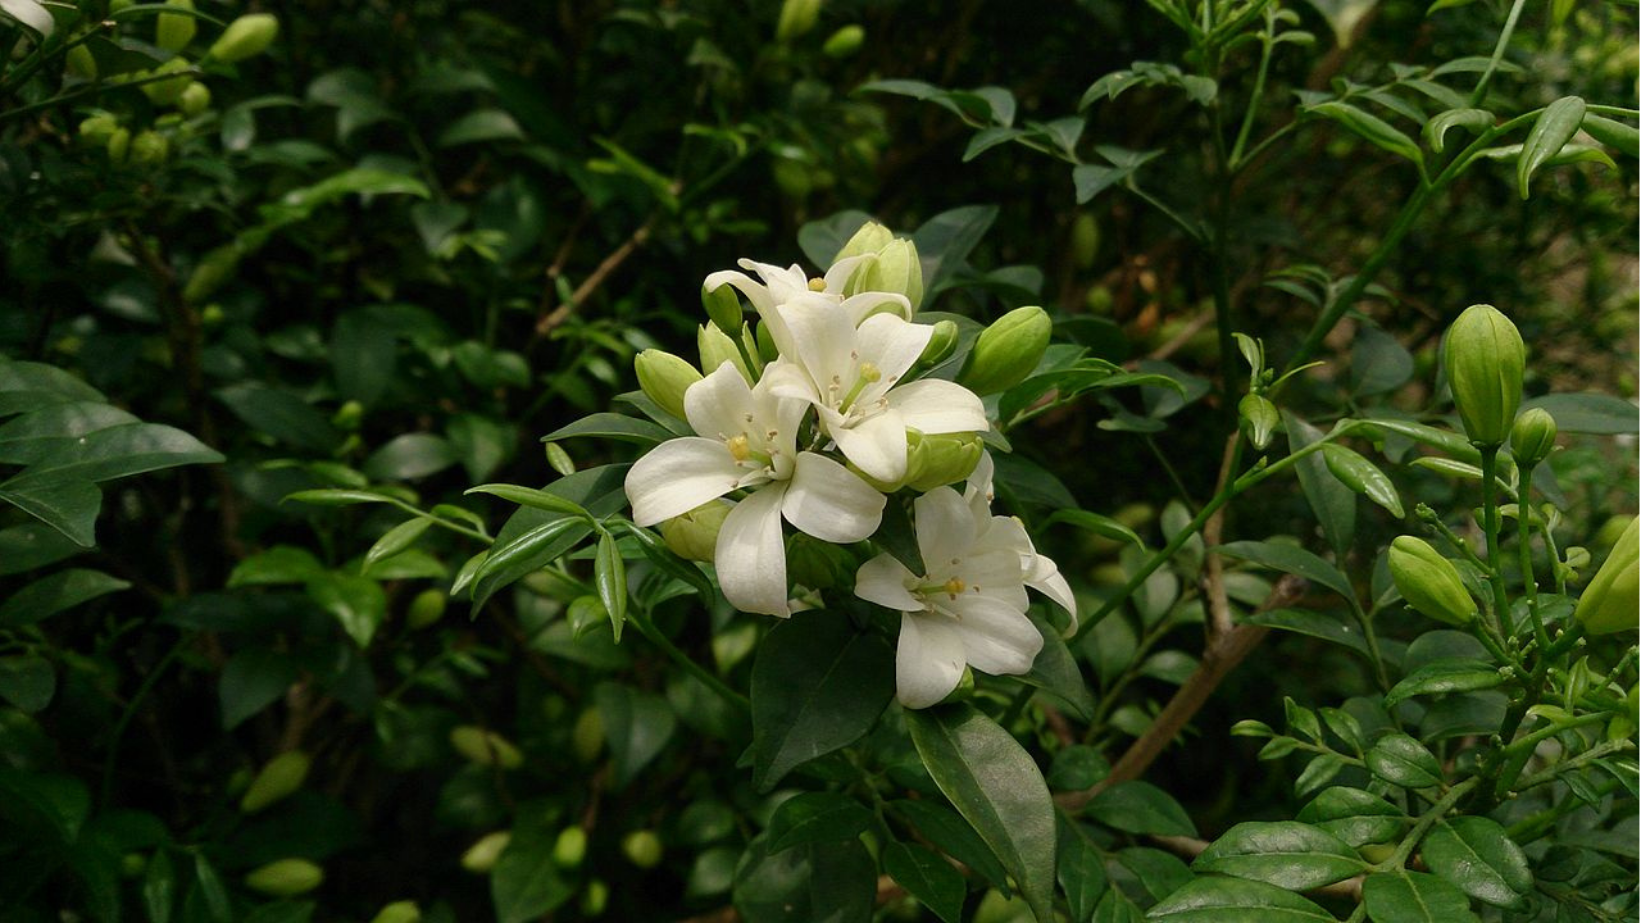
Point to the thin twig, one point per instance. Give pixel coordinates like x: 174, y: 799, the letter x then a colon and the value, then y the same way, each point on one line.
x: 557, y: 316
x: 1219, y: 620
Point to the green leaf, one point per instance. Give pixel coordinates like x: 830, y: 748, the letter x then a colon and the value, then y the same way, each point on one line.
x: 1331, y: 627
x: 526, y: 884
x: 817, y: 685
x: 281, y: 415
x: 949, y: 832
x: 1289, y: 854
x: 816, y: 816
x: 530, y: 497
x: 637, y: 726
x: 337, y: 497
x: 1092, y: 179
x: 1081, y: 870
x: 1292, y: 560
x: 1459, y: 675
x: 944, y: 242
x: 1096, y: 524
x: 828, y: 881
x: 25, y: 439
x: 30, y: 546
x: 212, y: 890
x: 614, y: 427
x: 70, y: 507
x: 996, y: 786
x: 1056, y: 672
x: 396, y: 540
x: 1454, y: 444
x: 530, y: 545
x: 1475, y: 854
x: 1473, y: 121
x: 1226, y: 899
x: 411, y: 456
x: 823, y: 239
x: 929, y: 877
x: 282, y: 564
x: 669, y: 561
x: 898, y: 537
x: 1361, y: 476
x: 1400, y: 759
x: 1332, y: 502
x: 251, y: 681
x: 1557, y: 125
x: 363, y: 352
x: 159, y: 887
x: 1354, y: 816
x: 115, y: 452
x: 55, y: 593
x: 26, y: 386
x: 27, y: 681
x: 1369, y: 128
x: 479, y: 126
x: 609, y: 574
x: 1588, y: 413
x: 1409, y: 896
x: 1623, y: 137
x: 358, y: 603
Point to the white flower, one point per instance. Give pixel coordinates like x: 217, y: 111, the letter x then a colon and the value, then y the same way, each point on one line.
x: 852, y: 374
x: 793, y: 286
x: 748, y: 439
x: 1040, y: 571
x: 968, y: 609
x: 30, y: 13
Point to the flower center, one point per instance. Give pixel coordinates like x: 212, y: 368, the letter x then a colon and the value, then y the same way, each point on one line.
x: 817, y: 284
x: 740, y: 449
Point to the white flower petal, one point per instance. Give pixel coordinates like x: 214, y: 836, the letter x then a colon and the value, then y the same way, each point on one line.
x: 865, y: 305
x: 829, y: 502
x: 787, y: 379
x: 892, y: 344
x: 978, y: 490
x: 30, y: 14
x: 755, y: 292
x: 883, y: 581
x: 837, y: 277
x: 718, y: 404
x: 929, y: 661
x: 823, y: 341
x: 679, y: 475
x: 996, y: 638
x: 876, y: 445
x: 938, y: 406
x: 751, y: 555
x: 1053, y: 585
x: 945, y: 529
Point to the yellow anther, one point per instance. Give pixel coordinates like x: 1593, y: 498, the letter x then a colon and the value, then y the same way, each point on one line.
x: 817, y: 284
x: 740, y: 447
x: 955, y: 586
x: 869, y: 372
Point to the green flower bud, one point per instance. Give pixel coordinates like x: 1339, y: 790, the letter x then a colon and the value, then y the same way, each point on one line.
x: 212, y: 272
x: 1429, y: 582
x: 97, y: 129
x: 277, y: 779
x: 400, y: 912
x: 844, y: 42
x: 664, y: 378
x: 485, y: 747
x: 195, y: 99
x: 595, y: 898
x: 1259, y: 420
x: 1485, y: 362
x: 797, y: 17
x: 871, y: 238
x: 940, y: 459
x: 723, y: 308
x: 571, y: 847
x: 173, y: 32
x: 1007, y: 351
x: 1611, y: 602
x: 286, y: 878
x: 761, y: 345
x: 694, y: 535
x: 897, y: 269
x: 149, y: 147
x: 587, y: 739
x: 940, y: 344
x: 119, y: 144
x: 643, y: 848
x: 716, y: 349
x: 1532, y: 438
x: 1084, y: 241
x: 348, y: 416
x: 167, y: 92
x: 81, y: 62
x: 480, y: 858
x: 245, y: 37
x: 427, y: 608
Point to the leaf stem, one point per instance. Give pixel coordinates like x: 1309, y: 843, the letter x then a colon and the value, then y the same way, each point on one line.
x: 1477, y: 98
x: 689, y: 665
x: 1494, y: 554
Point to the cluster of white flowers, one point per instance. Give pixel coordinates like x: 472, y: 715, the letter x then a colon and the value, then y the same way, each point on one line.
x: 815, y: 435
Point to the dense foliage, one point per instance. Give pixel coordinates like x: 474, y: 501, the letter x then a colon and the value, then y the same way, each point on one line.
x: 363, y: 365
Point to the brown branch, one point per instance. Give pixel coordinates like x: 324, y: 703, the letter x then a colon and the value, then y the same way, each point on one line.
x: 1219, y: 620
x: 594, y: 280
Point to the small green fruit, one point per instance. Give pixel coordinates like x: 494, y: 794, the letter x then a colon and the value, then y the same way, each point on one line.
x: 571, y: 847
x: 595, y: 898
x: 149, y: 147
x: 286, y: 878
x: 694, y: 535
x: 278, y: 778
x: 480, y: 858
x: 119, y: 144
x: 195, y: 99
x: 797, y: 17
x: 245, y: 37
x: 1532, y: 438
x: 643, y: 848
x: 81, y: 62
x: 485, y: 748
x: 401, y: 912
x: 844, y: 42
x: 427, y: 608
x: 173, y: 32
x: 168, y: 92
x: 587, y: 740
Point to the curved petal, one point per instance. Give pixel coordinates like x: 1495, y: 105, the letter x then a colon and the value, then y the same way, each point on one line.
x: 786, y: 379
x: 864, y: 305
x: 938, y: 406
x: 719, y: 405
x: 892, y: 344
x: 876, y: 444
x: 945, y: 530
x: 31, y: 14
x: 979, y: 489
x: 824, y: 340
x: 1054, y: 586
x: 883, y: 581
x: 996, y: 638
x: 755, y: 292
x: 751, y: 556
x: 829, y: 502
x: 928, y: 662
x: 784, y: 283
x: 679, y: 475
x: 837, y: 277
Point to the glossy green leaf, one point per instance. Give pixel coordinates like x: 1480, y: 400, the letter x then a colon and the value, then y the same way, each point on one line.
x: 828, y: 881
x: 1588, y: 413
x: 396, y: 540
x: 530, y: 497
x: 55, y: 593
x: 1473, y: 121
x: 1400, y: 759
x: 1333, y: 627
x: 948, y: 831
x: 1369, y: 128
x: 1289, y: 854
x: 1413, y: 896
x: 612, y: 427
x: 251, y: 681
x: 1227, y: 899
x: 1557, y: 125
x: 1081, y: 871
x: 410, y: 457
x: 816, y: 816
x: 1354, y: 816
x: 1445, y: 676
x: 358, y: 603
x: 637, y: 726
x: 281, y: 415
x: 1333, y: 503
x: 1292, y: 560
x: 1361, y: 476
x: 1623, y: 137
x: 996, y: 786
x: 480, y: 125
x: 526, y: 883
x: 70, y: 507
x: 609, y: 574
x: 29, y: 546
x: 1475, y: 854
x: 929, y: 877
x: 282, y: 564
x: 1096, y: 524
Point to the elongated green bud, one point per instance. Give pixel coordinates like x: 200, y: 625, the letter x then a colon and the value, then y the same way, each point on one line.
x: 167, y: 92
x: 844, y: 42
x: 595, y: 898
x: 716, y: 349
x: 1429, y: 582
x: 941, y: 459
x: 871, y: 238
x: 1611, y: 602
x: 760, y: 344
x: 1007, y: 351
x: 587, y: 738
x: 571, y: 847
x: 1362, y: 477
x: 427, y: 608
x: 896, y: 269
x: 1532, y: 438
x: 664, y: 378
x: 173, y: 32
x: 480, y: 858
x: 1084, y: 241
x: 694, y: 535
x: 1485, y: 363
x: 195, y: 99
x: 277, y: 779
x: 643, y: 848
x: 1259, y: 420
x: 212, y: 271
x: 485, y: 747
x: 400, y: 912
x: 245, y: 37
x: 723, y: 307
x: 797, y: 17
x: 940, y: 345
x: 81, y: 62
x: 286, y: 878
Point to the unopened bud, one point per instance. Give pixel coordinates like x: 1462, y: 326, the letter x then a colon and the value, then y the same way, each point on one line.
x: 587, y: 738
x: 81, y: 62
x: 571, y: 847
x: 761, y: 344
x: 212, y: 271
x: 1429, y: 582
x: 940, y: 459
x: 119, y: 144
x: 167, y: 92
x: 940, y: 345
x: 480, y: 858
x: 149, y: 147
x: 1485, y: 363
x: 1611, y: 602
x: 643, y: 848
x: 694, y: 535
x: 1532, y: 438
x: 277, y: 779
x: 844, y: 42
x: 195, y: 99
x: 485, y: 747
x: 1259, y: 420
x: 401, y: 912
x: 97, y: 129
x: 897, y: 269
x: 1084, y: 241
x: 245, y: 37
x: 427, y: 608
x: 716, y: 349
x: 871, y: 238
x: 797, y: 17
x: 286, y: 878
x: 172, y: 31
x: 664, y: 378
x: 1007, y: 351
x: 723, y: 308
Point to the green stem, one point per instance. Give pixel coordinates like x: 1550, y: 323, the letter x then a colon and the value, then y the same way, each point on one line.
x: 1267, y: 40
x: 683, y: 660
x: 1427, y: 820
x: 1371, y: 636
x: 1524, y: 512
x: 1479, y: 96
x: 1494, y: 554
x: 1587, y: 757
x: 130, y: 713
